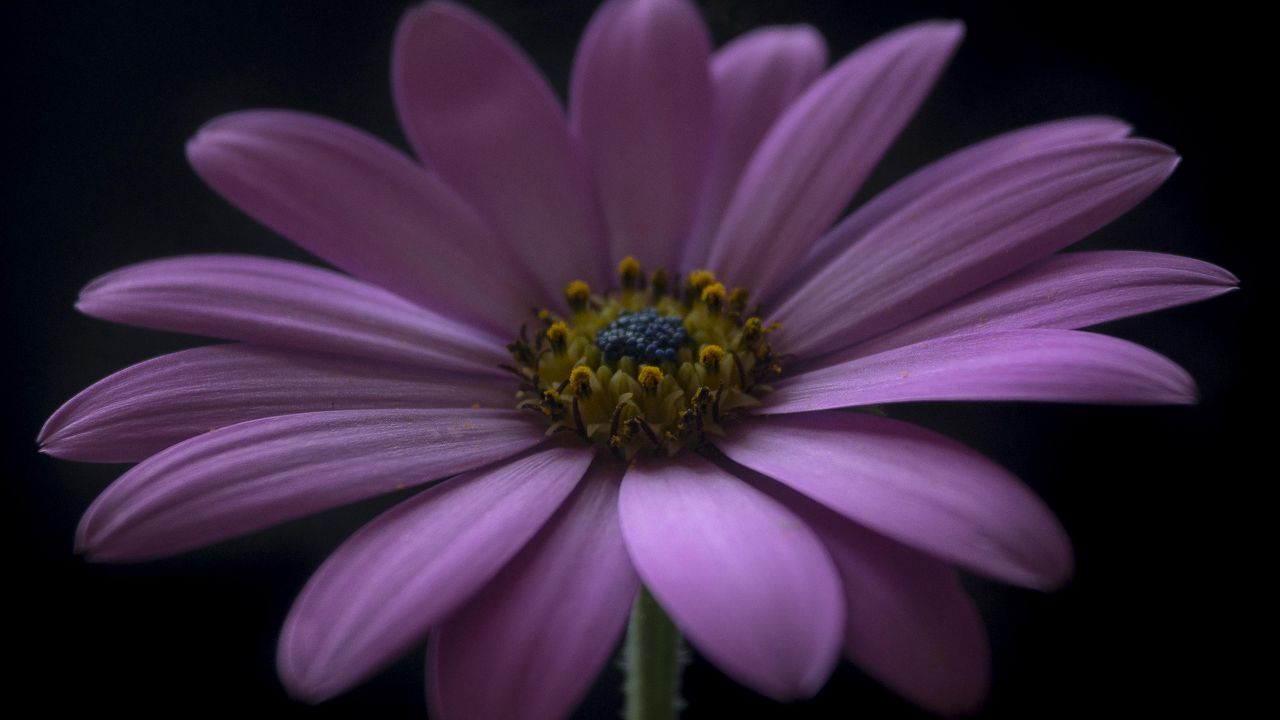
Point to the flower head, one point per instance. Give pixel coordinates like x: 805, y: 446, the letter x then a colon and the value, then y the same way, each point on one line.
x: 627, y: 335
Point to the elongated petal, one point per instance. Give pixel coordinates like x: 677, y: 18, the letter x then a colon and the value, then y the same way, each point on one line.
x: 361, y: 205
x: 745, y: 580
x: 641, y: 101
x: 1035, y: 365
x: 413, y: 566
x: 531, y: 643
x: 754, y: 78
x: 287, y: 305
x: 482, y: 117
x: 145, y: 408
x: 1070, y: 290
x: 255, y: 474
x: 908, y: 621
x: 914, y: 486
x: 967, y: 162
x: 969, y: 233
x: 821, y: 150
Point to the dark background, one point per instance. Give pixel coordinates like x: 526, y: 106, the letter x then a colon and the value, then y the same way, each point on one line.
x: 1162, y: 503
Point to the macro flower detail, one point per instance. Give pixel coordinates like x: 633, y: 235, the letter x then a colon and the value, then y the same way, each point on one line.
x: 625, y: 338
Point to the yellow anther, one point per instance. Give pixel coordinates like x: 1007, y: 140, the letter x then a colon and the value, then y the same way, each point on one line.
x: 752, y: 331
x: 551, y: 404
x: 558, y: 336
x: 699, y: 279
x: 713, y: 296
x: 629, y: 271
x: 738, y: 299
x: 650, y: 377
x: 577, y: 293
x: 544, y: 315
x: 580, y: 381
x: 710, y: 356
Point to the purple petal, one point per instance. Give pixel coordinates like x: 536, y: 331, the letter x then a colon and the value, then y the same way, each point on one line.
x: 144, y: 409
x: 742, y: 577
x: 973, y: 159
x: 754, y: 78
x: 482, y: 117
x: 817, y: 155
x: 909, y: 623
x: 413, y: 566
x: 914, y: 486
x: 1067, y: 291
x: 363, y: 206
x: 966, y: 234
x: 641, y: 101
x: 1035, y: 365
x: 531, y: 643
x: 245, y: 477
x: 288, y: 305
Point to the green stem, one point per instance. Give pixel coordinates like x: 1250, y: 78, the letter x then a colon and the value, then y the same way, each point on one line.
x: 652, y: 662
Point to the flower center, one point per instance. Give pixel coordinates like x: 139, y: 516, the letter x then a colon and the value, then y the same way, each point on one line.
x: 652, y: 365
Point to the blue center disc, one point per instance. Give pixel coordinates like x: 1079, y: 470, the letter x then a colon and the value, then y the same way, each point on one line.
x: 644, y: 336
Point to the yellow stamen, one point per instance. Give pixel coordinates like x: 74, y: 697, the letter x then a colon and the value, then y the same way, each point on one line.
x: 558, y: 336
x: 699, y: 279
x: 752, y: 331
x: 738, y: 299
x: 580, y: 381
x: 650, y: 377
x: 713, y: 296
x: 629, y: 271
x: 577, y: 293
x: 710, y: 356
x: 658, y: 283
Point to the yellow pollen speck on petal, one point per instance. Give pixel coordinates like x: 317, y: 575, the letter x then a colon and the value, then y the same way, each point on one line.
x: 711, y: 355
x: 650, y: 377
x: 629, y: 272
x: 577, y: 293
x: 580, y: 381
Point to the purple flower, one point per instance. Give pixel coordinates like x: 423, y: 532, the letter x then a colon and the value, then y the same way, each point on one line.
x: 710, y: 459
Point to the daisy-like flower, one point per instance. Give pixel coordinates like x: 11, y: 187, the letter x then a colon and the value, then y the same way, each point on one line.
x: 627, y: 338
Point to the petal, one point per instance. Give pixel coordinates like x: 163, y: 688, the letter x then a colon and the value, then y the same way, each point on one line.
x: 288, y: 305
x: 413, y: 566
x: 969, y: 233
x: 909, y: 623
x: 914, y: 486
x: 741, y: 576
x: 754, y: 78
x: 482, y: 117
x: 819, y: 152
x: 968, y: 161
x: 1068, y: 291
x: 531, y: 643
x: 1034, y: 365
x: 641, y: 102
x: 145, y: 408
x: 361, y: 205
x: 245, y: 477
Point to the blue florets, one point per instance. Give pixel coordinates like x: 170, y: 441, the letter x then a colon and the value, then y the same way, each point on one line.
x: 644, y: 336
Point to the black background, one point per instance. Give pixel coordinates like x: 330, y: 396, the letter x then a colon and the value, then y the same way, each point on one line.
x: 1162, y: 503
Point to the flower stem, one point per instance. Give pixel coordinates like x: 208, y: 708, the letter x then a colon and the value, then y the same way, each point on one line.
x: 652, y: 661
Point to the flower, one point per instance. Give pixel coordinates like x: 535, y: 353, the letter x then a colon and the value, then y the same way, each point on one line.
x: 800, y: 532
